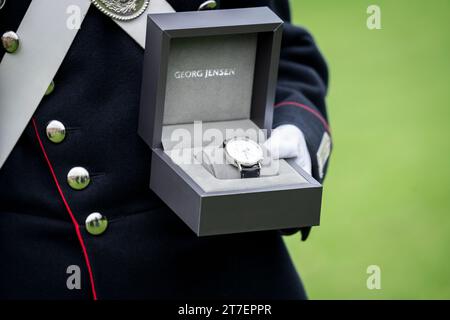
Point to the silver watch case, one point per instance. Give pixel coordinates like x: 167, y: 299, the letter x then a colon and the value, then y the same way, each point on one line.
x: 239, y: 164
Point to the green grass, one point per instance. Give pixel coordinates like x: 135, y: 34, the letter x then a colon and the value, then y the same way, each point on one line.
x: 387, y: 194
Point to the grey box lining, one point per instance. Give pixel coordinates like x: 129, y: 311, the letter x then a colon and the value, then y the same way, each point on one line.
x: 285, y: 177
x: 218, y: 98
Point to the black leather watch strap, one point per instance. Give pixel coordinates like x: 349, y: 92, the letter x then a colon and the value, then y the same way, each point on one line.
x: 250, y: 172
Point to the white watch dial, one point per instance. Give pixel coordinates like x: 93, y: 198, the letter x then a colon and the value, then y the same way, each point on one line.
x: 244, y: 151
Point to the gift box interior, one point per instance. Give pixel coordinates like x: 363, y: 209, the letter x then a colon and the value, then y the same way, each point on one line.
x: 210, y: 76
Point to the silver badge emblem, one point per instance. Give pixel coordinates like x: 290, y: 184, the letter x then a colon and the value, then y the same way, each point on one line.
x: 122, y: 10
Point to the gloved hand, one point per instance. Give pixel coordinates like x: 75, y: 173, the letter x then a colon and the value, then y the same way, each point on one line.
x: 288, y: 141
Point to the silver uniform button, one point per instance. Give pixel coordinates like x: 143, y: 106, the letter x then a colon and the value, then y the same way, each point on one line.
x: 2, y: 3
x: 122, y: 10
x: 207, y: 5
x: 96, y: 223
x: 10, y: 41
x: 56, y: 131
x: 78, y: 178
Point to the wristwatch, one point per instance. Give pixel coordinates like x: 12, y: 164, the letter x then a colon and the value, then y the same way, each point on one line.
x: 245, y: 154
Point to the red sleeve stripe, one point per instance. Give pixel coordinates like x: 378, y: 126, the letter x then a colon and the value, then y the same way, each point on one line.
x: 307, y: 108
x: 69, y: 210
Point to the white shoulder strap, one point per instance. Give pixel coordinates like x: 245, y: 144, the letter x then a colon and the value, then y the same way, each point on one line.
x: 137, y: 28
x: 45, y: 41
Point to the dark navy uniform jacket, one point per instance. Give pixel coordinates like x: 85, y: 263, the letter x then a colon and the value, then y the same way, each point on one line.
x: 146, y: 251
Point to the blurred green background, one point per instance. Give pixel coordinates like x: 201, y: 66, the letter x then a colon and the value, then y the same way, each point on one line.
x: 387, y: 194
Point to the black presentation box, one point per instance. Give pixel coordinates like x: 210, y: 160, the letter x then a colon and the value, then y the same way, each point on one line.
x: 217, y: 70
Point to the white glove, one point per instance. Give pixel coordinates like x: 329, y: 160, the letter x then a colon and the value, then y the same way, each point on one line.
x: 288, y: 141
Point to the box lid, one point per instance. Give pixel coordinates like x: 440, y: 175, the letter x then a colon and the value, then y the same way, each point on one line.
x: 209, y: 66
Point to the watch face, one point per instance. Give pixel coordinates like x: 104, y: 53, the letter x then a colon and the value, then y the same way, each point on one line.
x: 244, y: 151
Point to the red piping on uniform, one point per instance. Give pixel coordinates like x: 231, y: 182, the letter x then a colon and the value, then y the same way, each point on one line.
x: 72, y: 217
x: 309, y: 109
